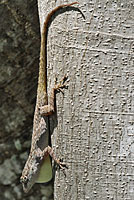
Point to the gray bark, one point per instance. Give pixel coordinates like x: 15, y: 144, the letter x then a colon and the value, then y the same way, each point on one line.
x: 95, y: 117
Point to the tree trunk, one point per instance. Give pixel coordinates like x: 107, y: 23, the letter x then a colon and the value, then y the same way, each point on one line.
x: 94, y: 133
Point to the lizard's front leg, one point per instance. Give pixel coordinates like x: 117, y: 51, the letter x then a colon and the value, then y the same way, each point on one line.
x: 49, y: 109
x: 49, y: 150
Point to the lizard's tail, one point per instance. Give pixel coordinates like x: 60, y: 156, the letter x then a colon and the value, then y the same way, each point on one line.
x: 43, y: 50
x: 52, y: 13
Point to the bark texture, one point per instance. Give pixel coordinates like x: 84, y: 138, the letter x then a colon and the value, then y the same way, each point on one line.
x: 94, y: 133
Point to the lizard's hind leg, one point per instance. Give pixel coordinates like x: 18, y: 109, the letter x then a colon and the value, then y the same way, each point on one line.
x: 50, y: 108
x: 61, y: 84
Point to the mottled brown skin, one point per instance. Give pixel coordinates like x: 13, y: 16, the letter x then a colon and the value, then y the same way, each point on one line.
x: 39, y: 147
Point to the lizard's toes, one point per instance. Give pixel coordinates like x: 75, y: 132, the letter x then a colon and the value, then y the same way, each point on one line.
x: 61, y: 83
x: 62, y: 165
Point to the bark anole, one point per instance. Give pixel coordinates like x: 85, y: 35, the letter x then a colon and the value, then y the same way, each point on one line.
x: 38, y: 166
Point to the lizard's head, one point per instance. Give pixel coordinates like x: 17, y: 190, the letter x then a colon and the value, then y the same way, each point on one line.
x: 25, y: 183
x: 29, y: 176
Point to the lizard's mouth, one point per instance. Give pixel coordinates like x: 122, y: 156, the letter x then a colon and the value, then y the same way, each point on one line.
x: 26, y: 188
x: 24, y: 182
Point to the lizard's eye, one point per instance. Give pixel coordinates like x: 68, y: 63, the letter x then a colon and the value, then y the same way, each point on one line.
x: 23, y: 179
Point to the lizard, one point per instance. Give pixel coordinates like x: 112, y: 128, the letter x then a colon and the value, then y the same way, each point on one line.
x: 38, y: 163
